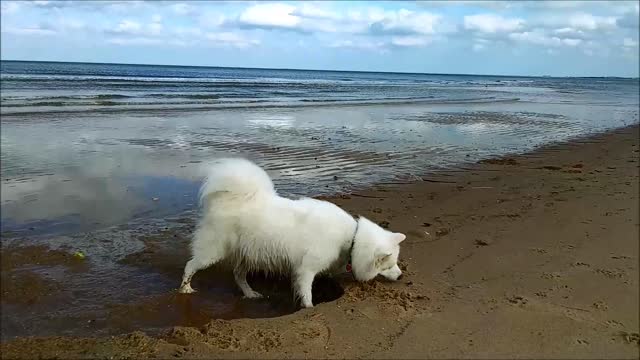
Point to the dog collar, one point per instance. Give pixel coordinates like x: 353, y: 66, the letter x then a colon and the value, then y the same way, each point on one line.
x: 353, y: 241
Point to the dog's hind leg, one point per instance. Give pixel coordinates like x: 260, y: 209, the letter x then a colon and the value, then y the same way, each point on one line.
x: 206, y: 252
x: 240, y: 274
x: 303, y: 284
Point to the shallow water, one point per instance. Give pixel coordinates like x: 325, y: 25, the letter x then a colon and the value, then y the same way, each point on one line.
x: 88, y: 171
x: 120, y: 182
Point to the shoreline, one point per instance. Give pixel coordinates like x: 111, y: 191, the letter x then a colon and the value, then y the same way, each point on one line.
x: 530, y: 255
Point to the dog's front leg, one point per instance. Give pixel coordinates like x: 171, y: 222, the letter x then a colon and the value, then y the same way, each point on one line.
x: 303, y: 285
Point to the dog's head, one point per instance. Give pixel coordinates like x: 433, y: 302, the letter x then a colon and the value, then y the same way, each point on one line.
x: 375, y: 252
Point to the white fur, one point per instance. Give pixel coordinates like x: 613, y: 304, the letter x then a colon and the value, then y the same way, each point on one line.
x: 245, y: 221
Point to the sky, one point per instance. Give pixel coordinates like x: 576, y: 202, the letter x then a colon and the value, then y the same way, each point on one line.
x: 556, y: 38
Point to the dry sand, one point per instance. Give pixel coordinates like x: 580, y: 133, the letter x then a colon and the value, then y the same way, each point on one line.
x: 534, y: 256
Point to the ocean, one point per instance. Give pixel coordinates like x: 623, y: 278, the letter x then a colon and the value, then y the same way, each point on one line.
x: 105, y: 139
x: 107, y: 159
x: 34, y: 87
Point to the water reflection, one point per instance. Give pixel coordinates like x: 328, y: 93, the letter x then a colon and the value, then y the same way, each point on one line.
x: 271, y: 120
x: 95, y: 170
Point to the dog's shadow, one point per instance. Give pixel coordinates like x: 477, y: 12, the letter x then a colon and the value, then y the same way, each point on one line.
x: 278, y: 290
x: 160, y: 256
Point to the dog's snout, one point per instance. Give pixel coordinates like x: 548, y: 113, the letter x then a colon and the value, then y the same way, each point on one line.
x: 392, y: 274
x: 400, y: 277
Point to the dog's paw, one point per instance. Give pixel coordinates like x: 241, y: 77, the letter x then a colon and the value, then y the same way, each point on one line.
x: 252, y: 295
x: 186, y: 289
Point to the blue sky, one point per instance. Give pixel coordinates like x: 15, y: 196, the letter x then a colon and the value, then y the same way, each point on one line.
x: 558, y: 38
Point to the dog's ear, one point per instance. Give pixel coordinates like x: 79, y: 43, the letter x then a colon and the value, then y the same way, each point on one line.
x: 398, y: 237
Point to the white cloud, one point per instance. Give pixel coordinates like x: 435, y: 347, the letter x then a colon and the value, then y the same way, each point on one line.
x: 550, y: 30
x: 308, y: 17
x: 188, y: 32
x: 312, y: 11
x: 480, y: 44
x: 135, y: 41
x: 568, y: 31
x: 43, y: 28
x: 406, y: 22
x: 629, y: 43
x: 478, y: 47
x: 65, y: 24
x: 231, y: 39
x: 410, y: 41
x: 134, y: 28
x: 50, y: 25
x: 117, y: 5
x: 342, y: 43
x: 144, y: 41
x: 35, y: 30
x: 570, y: 42
x: 584, y: 21
x: 536, y: 5
x: 128, y: 27
x: 134, y: 33
x: 43, y: 3
x: 155, y: 28
x: 538, y: 37
x: 9, y: 7
x: 211, y: 20
x: 270, y: 15
x: 630, y: 19
x: 564, y: 4
x: 630, y: 48
x: 485, y: 4
x: 182, y: 9
x: 359, y: 45
x: 491, y: 23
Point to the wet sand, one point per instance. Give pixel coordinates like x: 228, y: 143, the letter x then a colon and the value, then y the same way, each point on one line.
x: 533, y: 256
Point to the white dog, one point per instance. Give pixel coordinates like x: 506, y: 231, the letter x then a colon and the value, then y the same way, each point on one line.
x: 246, y: 221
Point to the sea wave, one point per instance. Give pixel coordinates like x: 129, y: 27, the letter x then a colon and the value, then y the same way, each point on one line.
x: 157, y: 79
x: 38, y: 78
x: 46, y: 107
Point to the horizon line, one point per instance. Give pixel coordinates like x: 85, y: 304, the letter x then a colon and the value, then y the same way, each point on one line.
x: 318, y: 70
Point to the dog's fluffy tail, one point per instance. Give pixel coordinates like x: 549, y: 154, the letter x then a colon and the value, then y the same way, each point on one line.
x: 236, y: 177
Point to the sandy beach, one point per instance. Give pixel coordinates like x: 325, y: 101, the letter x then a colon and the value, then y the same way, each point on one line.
x: 531, y: 256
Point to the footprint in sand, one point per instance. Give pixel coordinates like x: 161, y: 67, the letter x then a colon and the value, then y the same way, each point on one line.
x: 550, y: 276
x: 629, y: 338
x: 620, y: 257
x: 539, y: 250
x: 517, y: 300
x: 600, y: 305
x: 614, y: 323
x: 580, y: 263
x: 611, y: 273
